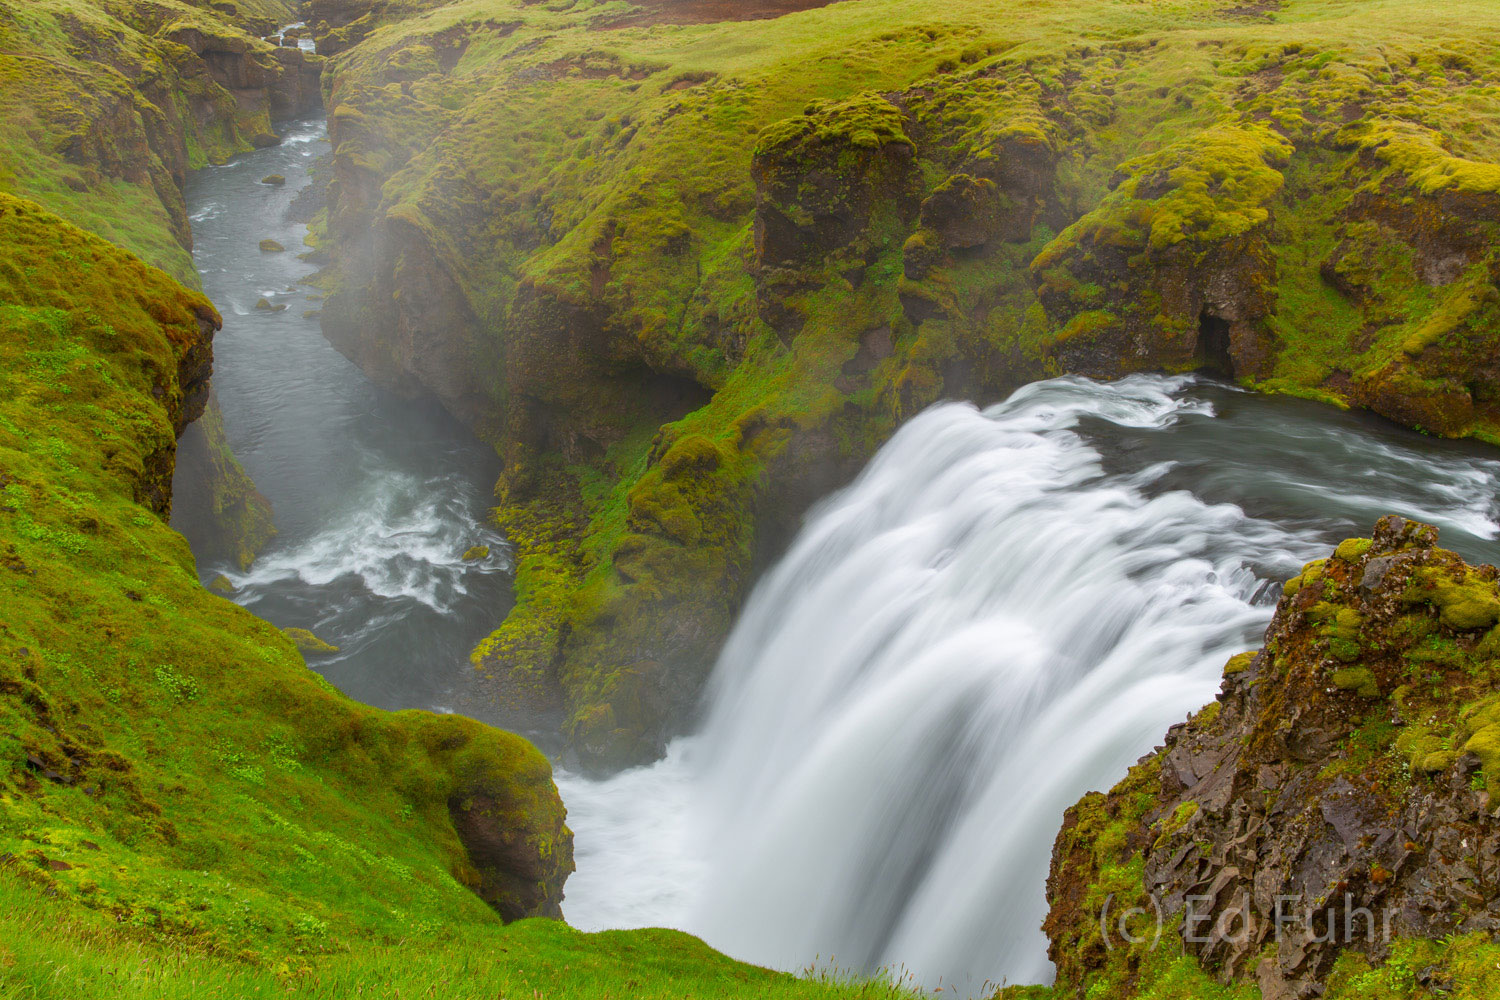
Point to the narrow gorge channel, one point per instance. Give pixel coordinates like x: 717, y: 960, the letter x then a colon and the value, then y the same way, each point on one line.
x: 1008, y: 607
x: 376, y: 498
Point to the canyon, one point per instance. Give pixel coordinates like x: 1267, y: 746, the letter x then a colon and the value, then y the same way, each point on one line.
x: 686, y: 269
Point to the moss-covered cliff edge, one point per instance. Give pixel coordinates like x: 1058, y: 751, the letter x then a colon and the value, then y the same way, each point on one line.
x: 167, y: 757
x: 108, y: 104
x: 1326, y: 827
x: 687, y: 275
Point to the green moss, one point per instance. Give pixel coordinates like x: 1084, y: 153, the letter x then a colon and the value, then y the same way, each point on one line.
x: 1471, y: 603
x: 476, y: 552
x: 1352, y: 549
x: 308, y: 643
x: 1360, y: 680
x: 1239, y: 663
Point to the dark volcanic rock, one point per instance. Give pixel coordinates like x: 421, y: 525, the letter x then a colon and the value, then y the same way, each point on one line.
x: 1341, y: 792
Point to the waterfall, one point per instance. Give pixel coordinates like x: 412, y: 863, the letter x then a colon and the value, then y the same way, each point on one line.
x: 1005, y: 610
x: 982, y: 628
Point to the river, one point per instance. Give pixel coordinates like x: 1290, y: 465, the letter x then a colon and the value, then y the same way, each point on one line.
x: 1008, y: 607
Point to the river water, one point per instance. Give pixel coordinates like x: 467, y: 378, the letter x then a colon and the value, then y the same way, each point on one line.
x: 1008, y: 607
x: 377, y: 498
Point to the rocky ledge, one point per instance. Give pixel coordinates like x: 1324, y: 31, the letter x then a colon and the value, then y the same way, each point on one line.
x: 1335, y: 811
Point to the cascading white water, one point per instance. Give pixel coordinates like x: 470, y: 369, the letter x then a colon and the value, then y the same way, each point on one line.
x: 978, y: 631
x: 1004, y: 611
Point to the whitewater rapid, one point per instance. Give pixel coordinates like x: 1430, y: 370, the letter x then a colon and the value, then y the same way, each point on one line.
x: 377, y: 496
x: 1004, y: 611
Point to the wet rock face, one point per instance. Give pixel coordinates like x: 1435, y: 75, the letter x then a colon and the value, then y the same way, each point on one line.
x: 514, y: 878
x: 1395, y: 244
x: 1341, y: 792
x: 425, y: 336
x: 1212, y: 308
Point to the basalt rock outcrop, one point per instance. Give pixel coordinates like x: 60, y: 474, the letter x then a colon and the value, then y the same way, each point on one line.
x: 1338, y: 799
x: 595, y: 252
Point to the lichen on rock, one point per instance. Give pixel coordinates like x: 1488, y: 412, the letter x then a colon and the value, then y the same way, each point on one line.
x: 1320, y: 790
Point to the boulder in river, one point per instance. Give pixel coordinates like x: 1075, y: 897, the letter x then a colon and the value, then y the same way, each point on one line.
x: 271, y: 246
x: 266, y: 305
x: 308, y: 643
x: 476, y: 553
x: 274, y: 180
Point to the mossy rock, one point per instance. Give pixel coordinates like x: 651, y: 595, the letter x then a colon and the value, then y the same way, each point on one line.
x: 273, y: 180
x: 221, y: 584
x: 477, y: 552
x: 1357, y: 679
x: 271, y: 246
x: 1239, y: 663
x: 309, y: 643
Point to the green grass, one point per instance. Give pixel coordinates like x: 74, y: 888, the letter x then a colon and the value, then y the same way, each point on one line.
x: 48, y: 950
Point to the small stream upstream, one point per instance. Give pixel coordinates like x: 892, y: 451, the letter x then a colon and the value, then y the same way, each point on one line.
x: 1007, y: 608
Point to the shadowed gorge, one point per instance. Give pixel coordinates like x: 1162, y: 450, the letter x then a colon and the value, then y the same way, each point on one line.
x: 692, y: 498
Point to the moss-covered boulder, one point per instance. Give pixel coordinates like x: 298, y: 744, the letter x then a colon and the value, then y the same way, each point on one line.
x: 309, y: 643
x: 1333, y: 810
x: 964, y: 211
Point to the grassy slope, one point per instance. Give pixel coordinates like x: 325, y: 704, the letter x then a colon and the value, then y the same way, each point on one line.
x: 166, y: 757
x: 48, y: 952
x: 614, y: 169
x: 100, y: 113
x: 185, y: 808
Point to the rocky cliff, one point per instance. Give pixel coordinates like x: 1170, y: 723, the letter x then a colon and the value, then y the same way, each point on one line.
x: 686, y: 276
x: 1330, y: 826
